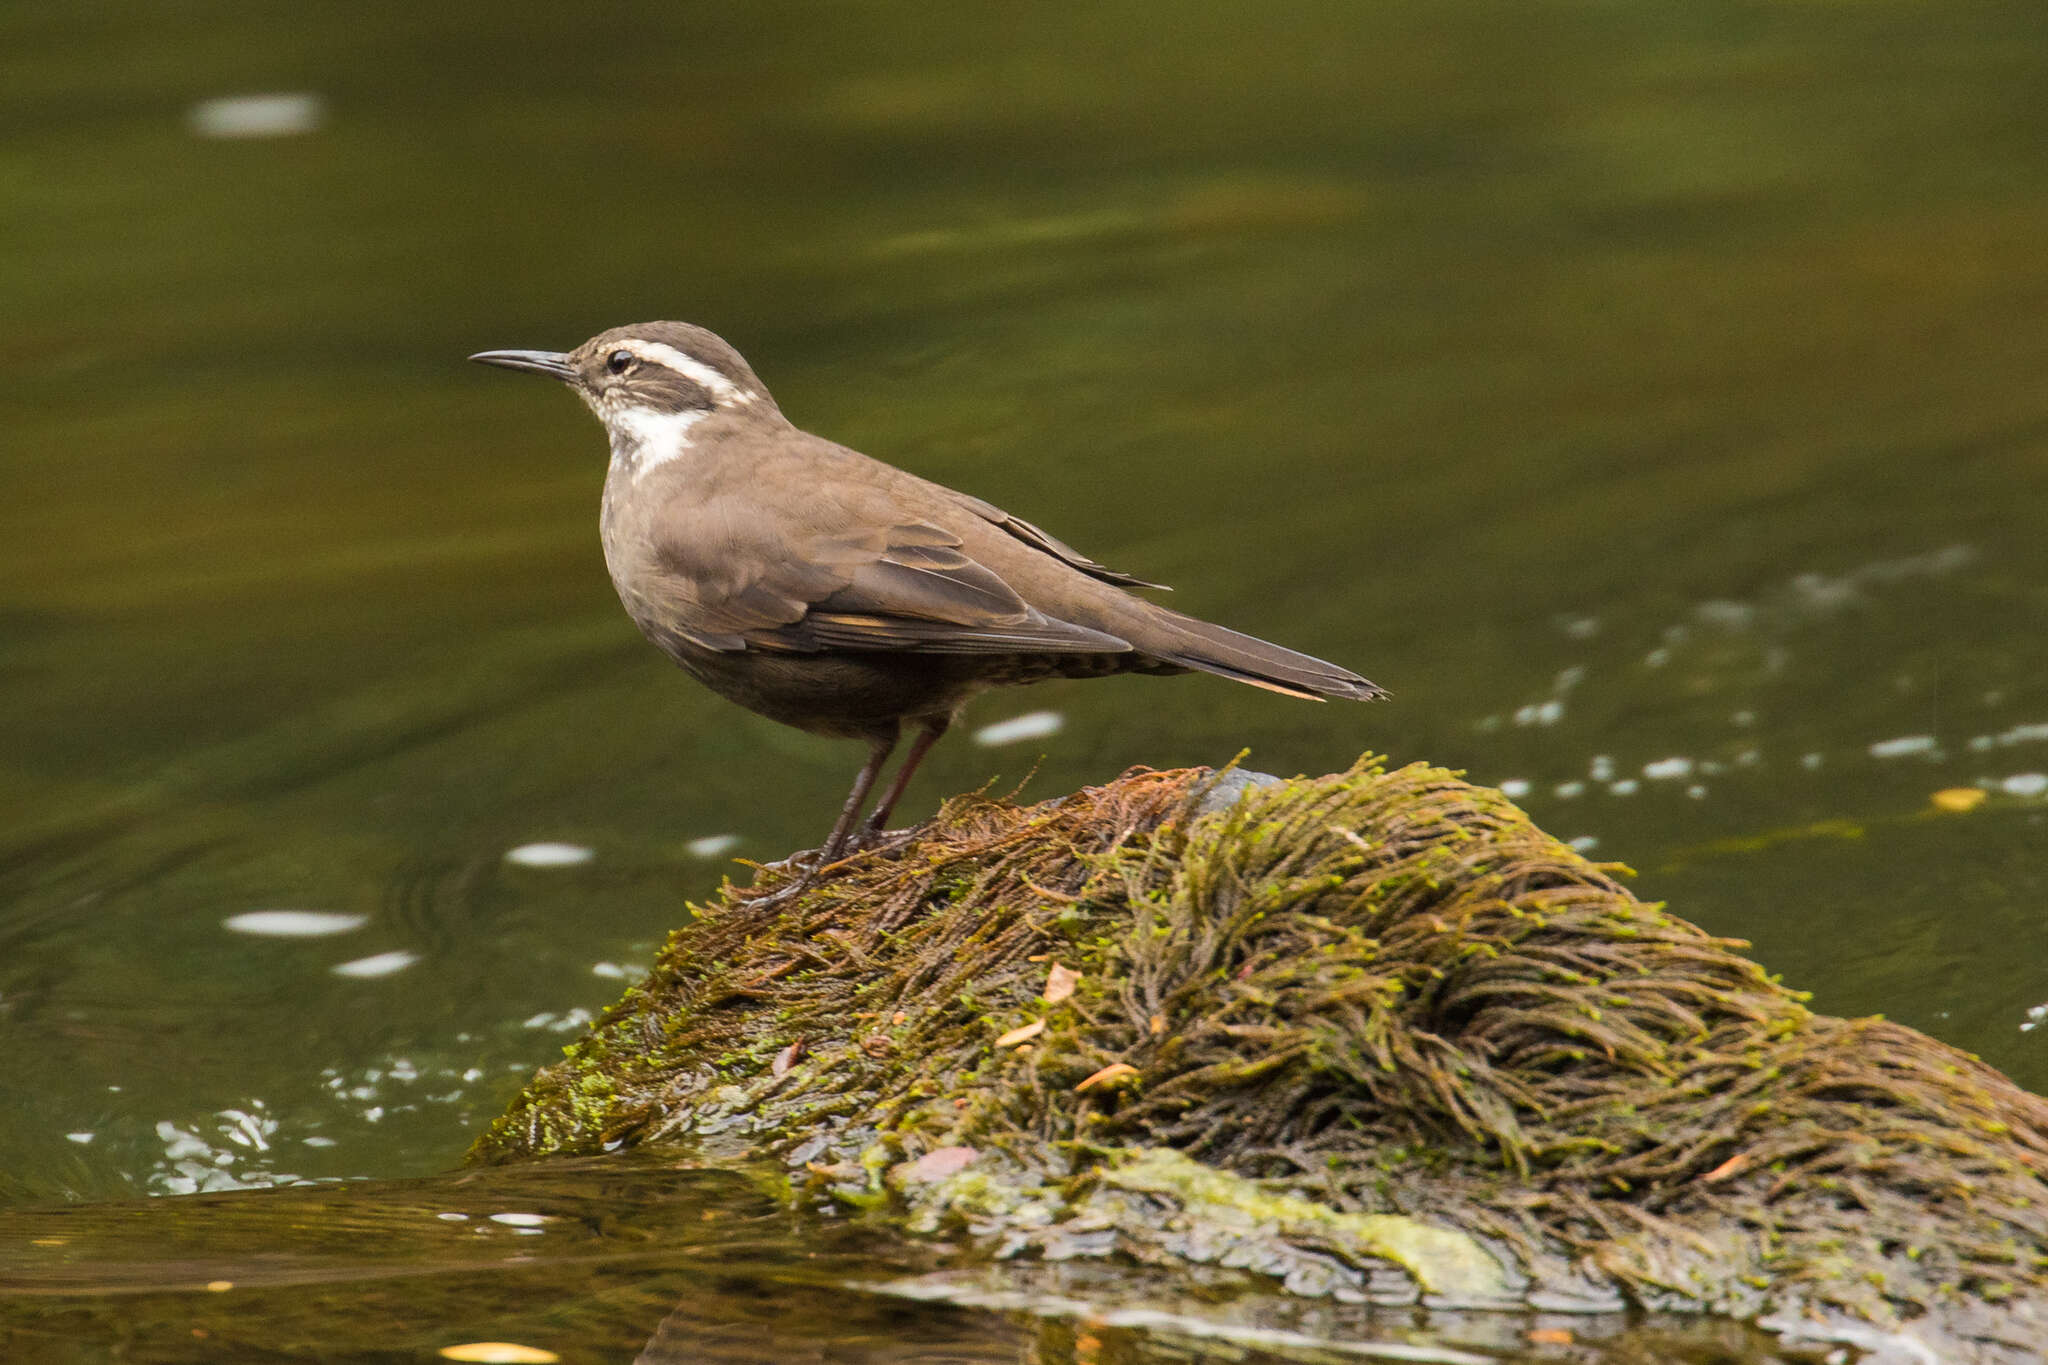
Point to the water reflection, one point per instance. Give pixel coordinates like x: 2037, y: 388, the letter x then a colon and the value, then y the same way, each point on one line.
x: 1751, y: 660
x: 635, y: 1259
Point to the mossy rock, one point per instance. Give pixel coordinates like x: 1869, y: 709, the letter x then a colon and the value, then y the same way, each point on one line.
x: 1374, y: 1034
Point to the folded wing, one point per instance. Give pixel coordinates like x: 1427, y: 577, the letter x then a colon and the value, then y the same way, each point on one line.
x: 728, y: 583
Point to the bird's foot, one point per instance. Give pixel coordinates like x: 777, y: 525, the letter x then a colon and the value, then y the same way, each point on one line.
x: 808, y: 868
x: 802, y: 871
x: 872, y: 839
x: 781, y: 895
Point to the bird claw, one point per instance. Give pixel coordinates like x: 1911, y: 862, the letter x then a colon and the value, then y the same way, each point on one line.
x: 808, y: 868
x: 877, y: 840
x: 788, y: 891
x: 803, y: 869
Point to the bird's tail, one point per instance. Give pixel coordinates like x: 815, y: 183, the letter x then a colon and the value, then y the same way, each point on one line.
x: 1190, y: 643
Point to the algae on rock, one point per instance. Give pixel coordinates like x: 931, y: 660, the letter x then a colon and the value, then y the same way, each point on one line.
x: 1373, y: 1033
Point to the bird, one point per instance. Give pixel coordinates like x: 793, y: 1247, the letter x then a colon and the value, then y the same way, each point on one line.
x: 835, y: 593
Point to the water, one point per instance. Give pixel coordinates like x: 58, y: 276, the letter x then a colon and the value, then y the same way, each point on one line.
x: 1652, y: 399
x: 631, y: 1260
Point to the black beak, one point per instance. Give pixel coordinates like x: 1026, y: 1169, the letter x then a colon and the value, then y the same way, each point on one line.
x: 553, y: 364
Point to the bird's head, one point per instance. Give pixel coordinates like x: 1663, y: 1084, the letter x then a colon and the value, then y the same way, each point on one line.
x: 649, y: 383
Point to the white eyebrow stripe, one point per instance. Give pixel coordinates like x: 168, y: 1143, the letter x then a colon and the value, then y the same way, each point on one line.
x: 714, y: 383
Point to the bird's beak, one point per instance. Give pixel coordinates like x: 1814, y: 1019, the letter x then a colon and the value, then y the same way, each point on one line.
x: 551, y: 363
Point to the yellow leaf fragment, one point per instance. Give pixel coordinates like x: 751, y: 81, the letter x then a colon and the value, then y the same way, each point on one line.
x: 499, y: 1353
x: 1727, y: 1170
x: 1109, y: 1075
x: 1023, y: 1033
x: 1959, y: 799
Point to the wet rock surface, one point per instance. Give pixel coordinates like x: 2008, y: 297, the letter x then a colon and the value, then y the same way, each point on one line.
x: 1373, y: 1036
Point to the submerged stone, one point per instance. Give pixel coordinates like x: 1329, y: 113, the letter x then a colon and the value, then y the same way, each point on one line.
x: 1374, y: 1035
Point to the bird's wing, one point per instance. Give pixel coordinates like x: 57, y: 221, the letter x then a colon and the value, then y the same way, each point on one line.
x: 728, y: 578
x: 1052, y: 545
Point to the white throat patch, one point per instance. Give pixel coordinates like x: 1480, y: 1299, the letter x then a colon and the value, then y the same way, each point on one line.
x: 643, y: 439
x: 722, y: 390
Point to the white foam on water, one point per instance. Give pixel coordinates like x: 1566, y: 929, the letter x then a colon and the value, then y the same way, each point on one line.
x: 285, y: 114
x: 294, y: 923
x: 548, y: 854
x: 381, y: 964
x: 1017, y: 729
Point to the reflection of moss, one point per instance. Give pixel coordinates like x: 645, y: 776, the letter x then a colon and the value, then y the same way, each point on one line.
x: 1364, y: 1021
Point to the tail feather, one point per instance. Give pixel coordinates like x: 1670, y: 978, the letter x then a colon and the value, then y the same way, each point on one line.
x: 1197, y: 644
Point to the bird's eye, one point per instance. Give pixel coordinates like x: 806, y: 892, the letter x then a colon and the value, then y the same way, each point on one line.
x: 618, y: 362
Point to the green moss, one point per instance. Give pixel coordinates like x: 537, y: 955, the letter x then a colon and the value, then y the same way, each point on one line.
x: 1447, y: 1263
x: 1360, y: 1022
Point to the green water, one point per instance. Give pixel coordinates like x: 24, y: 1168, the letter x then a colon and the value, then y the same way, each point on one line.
x: 1655, y: 398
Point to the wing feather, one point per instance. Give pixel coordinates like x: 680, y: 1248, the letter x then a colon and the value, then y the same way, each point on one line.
x: 1053, y: 545
x: 730, y: 583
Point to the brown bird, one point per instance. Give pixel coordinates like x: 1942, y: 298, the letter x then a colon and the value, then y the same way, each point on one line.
x: 837, y: 594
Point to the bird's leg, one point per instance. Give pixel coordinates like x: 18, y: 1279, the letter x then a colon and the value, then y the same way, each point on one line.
x: 838, y: 842
x: 862, y: 785
x: 919, y: 747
